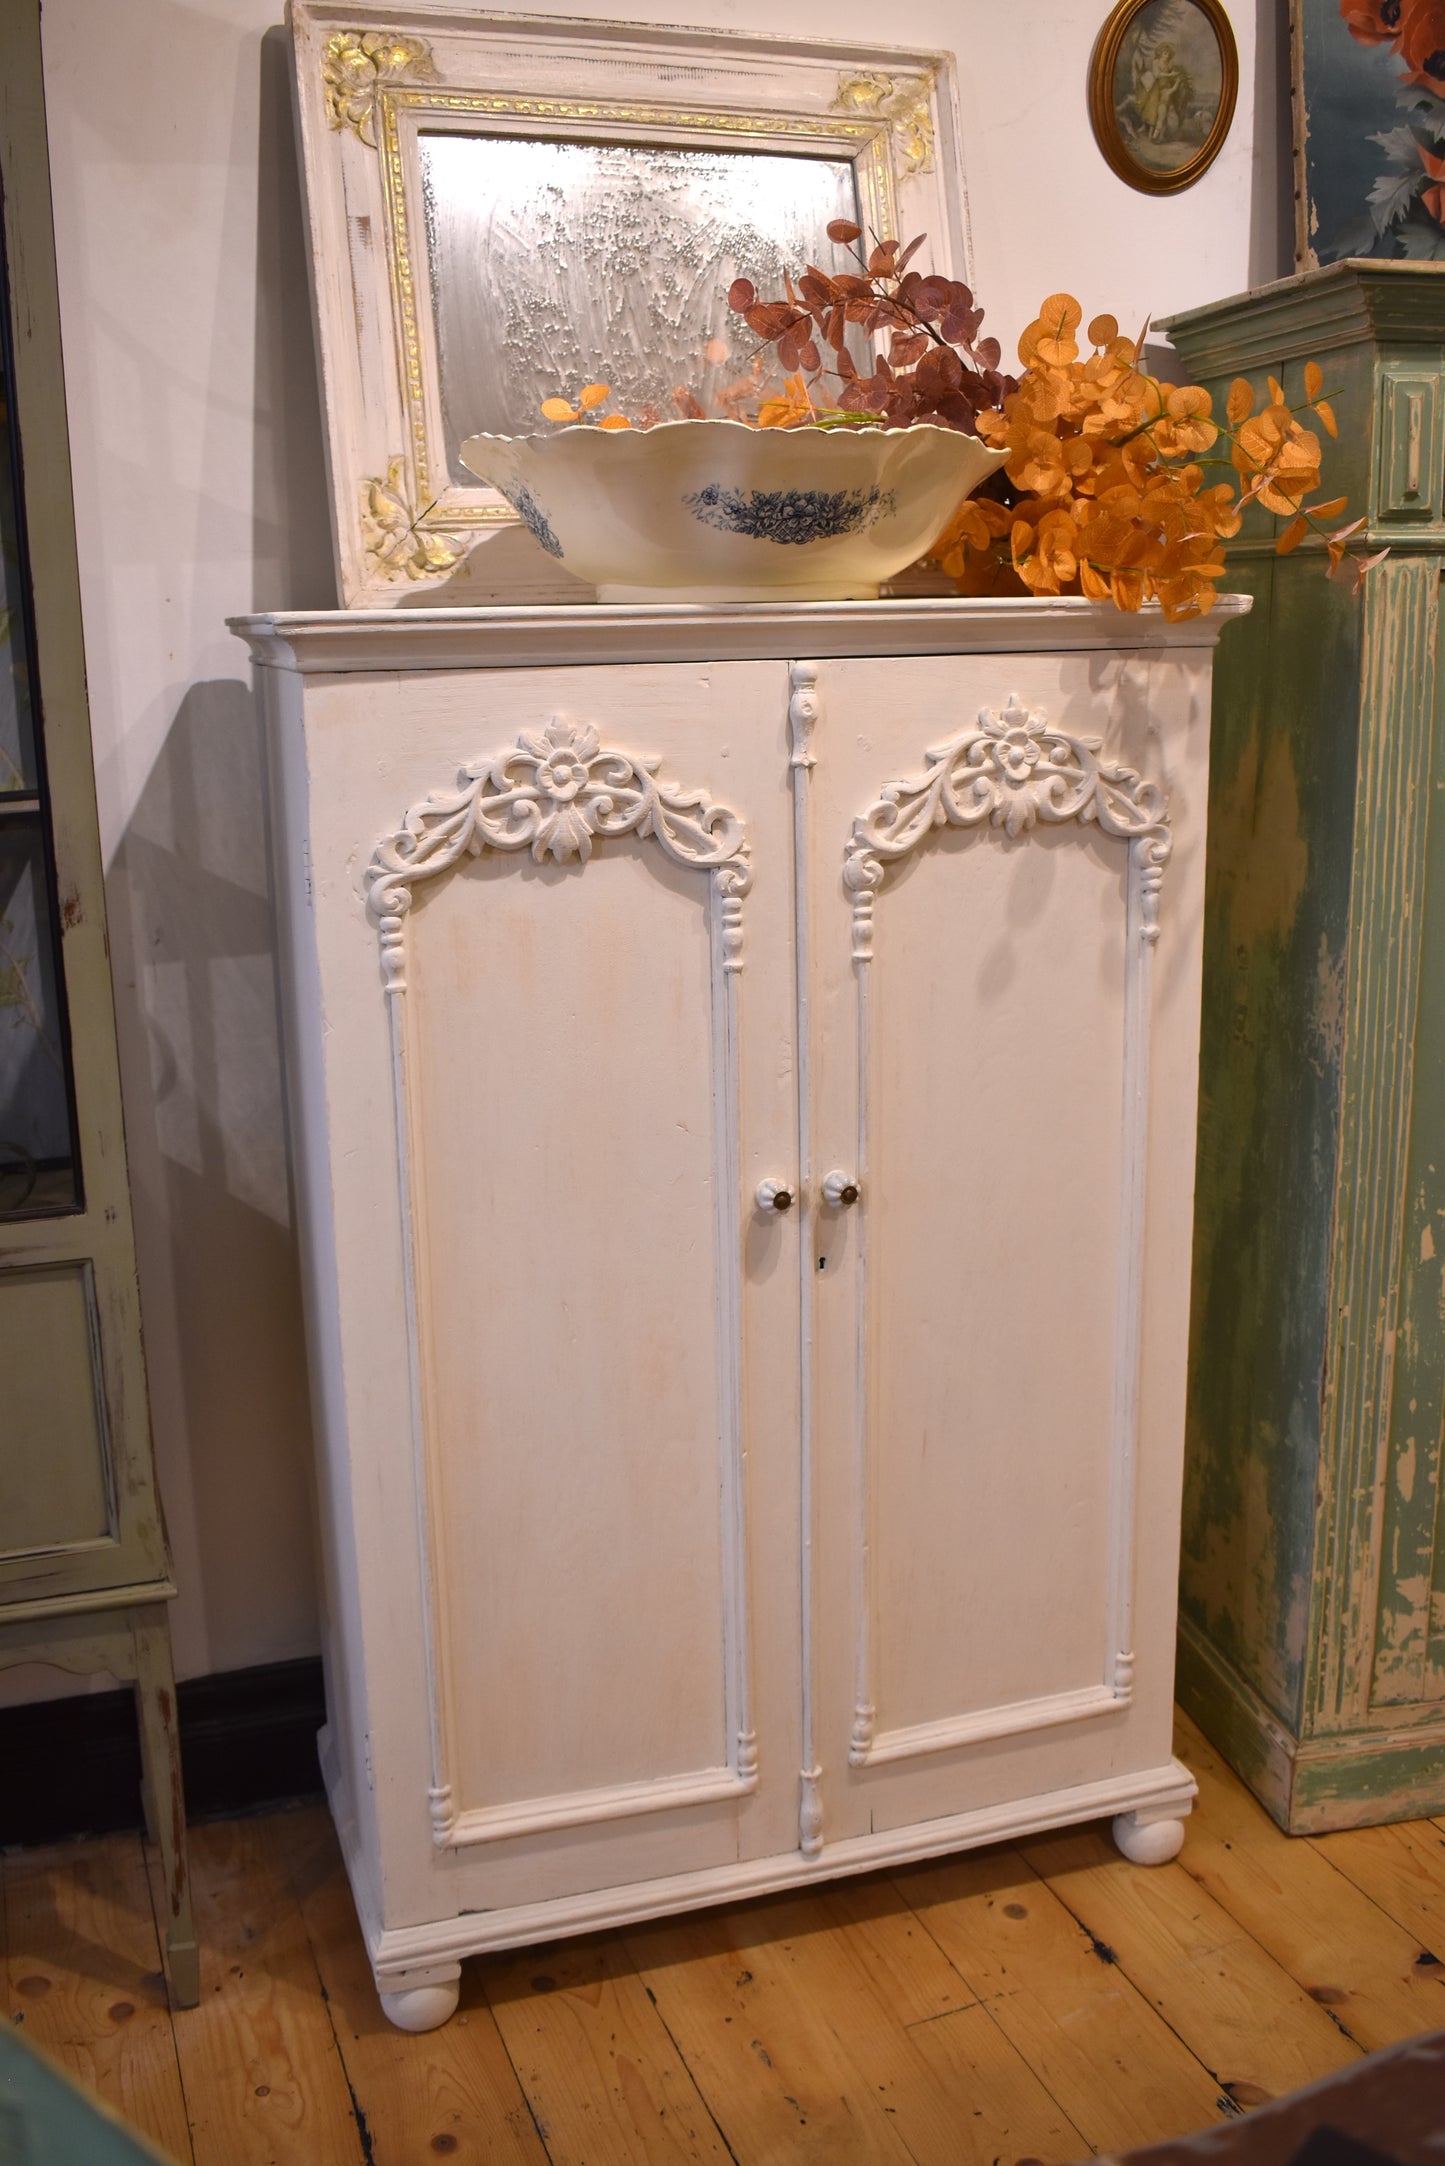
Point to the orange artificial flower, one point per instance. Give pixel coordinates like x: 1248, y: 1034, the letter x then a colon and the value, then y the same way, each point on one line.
x: 976, y: 525
x: 1186, y: 426
x: 1106, y: 469
x: 589, y: 398
x: 1048, y: 562
x: 1279, y: 459
x: 791, y: 406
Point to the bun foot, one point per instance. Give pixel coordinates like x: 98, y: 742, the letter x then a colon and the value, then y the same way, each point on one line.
x: 1148, y: 1842
x: 422, y: 2007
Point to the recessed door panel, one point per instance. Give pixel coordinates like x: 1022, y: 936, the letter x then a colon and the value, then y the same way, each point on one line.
x: 995, y: 1075
x: 573, y: 1162
x: 54, y: 1476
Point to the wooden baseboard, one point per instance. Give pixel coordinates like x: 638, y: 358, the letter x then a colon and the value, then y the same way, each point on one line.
x: 1312, y: 1786
x: 1257, y: 1745
x: 248, y: 1743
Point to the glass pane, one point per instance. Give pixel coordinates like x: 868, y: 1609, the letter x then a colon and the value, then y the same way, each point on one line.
x: 17, y: 733
x: 39, y: 1168
x: 36, y: 1168
x: 546, y: 257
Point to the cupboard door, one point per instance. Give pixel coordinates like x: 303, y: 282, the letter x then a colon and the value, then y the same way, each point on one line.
x: 581, y: 934
x: 983, y: 907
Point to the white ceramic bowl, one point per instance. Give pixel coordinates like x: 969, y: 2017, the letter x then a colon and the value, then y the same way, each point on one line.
x: 713, y: 511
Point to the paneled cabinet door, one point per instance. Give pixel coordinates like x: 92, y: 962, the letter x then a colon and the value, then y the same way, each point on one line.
x: 982, y: 897
x: 583, y: 927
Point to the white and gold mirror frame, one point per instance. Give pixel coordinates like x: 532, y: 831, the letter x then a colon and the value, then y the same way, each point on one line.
x: 378, y: 89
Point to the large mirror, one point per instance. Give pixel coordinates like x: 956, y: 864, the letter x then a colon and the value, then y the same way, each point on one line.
x: 507, y: 207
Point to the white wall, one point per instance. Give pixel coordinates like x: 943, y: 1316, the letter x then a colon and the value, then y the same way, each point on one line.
x: 200, y: 492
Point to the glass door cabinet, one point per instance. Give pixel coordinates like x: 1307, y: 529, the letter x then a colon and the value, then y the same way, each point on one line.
x: 85, y: 1572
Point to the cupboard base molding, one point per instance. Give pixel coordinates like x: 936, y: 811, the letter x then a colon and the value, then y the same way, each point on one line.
x: 1312, y: 1786
x: 1163, y: 1795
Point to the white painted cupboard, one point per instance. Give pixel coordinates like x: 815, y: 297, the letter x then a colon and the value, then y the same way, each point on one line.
x: 743, y: 1096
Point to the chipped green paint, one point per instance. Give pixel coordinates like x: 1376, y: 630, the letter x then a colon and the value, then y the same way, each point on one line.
x: 1313, y: 1578
x: 1409, y: 1654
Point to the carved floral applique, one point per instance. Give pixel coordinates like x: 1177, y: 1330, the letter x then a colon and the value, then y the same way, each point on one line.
x: 394, y: 538
x: 354, y: 66
x: 552, y: 793
x: 1013, y: 770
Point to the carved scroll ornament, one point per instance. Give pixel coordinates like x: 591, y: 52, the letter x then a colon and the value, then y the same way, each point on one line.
x: 1013, y: 771
x: 552, y: 793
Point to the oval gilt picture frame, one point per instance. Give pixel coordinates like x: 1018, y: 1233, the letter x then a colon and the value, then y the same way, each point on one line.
x: 1162, y: 86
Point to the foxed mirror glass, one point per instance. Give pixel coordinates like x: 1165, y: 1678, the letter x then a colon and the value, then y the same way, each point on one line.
x: 555, y: 263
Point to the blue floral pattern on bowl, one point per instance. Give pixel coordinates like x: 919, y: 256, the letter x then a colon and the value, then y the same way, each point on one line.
x: 789, y: 515
x: 533, y: 518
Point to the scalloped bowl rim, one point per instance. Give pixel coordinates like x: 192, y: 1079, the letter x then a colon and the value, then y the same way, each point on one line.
x: 558, y: 432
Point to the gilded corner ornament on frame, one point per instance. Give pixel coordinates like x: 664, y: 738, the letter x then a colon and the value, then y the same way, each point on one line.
x: 904, y: 101
x: 354, y: 66
x: 1162, y: 87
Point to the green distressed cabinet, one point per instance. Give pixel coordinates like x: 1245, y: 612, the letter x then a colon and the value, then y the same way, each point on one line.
x: 1312, y: 1641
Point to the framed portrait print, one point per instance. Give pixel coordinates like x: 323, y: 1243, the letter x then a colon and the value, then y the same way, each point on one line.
x: 1369, y: 130
x: 1162, y: 86
x: 504, y: 207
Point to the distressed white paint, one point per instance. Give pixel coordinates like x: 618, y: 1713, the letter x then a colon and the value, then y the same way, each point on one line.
x: 672, y: 1554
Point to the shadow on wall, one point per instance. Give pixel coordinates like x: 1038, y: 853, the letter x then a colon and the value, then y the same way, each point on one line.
x: 189, y: 895
x: 291, y: 519
x: 190, y: 902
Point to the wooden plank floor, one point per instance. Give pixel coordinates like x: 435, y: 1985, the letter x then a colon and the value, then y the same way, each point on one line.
x: 1033, y: 2003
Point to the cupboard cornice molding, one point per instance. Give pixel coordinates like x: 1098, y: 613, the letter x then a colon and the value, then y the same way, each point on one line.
x: 527, y: 636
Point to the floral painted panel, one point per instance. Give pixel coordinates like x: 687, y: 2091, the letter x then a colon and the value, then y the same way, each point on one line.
x: 553, y: 263
x: 1370, y: 83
